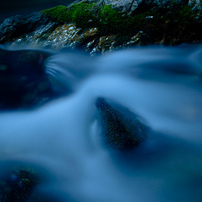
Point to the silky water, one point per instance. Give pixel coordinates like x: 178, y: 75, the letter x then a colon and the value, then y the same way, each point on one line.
x: 64, y: 140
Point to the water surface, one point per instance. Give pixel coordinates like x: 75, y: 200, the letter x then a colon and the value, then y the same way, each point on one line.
x: 160, y: 85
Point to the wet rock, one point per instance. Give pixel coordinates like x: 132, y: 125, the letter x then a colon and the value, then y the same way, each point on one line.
x: 17, y: 184
x: 16, y: 26
x: 21, y: 182
x: 89, y: 38
x: 120, y: 128
x: 62, y: 36
x: 196, y: 4
x: 38, y: 37
x: 105, y: 43
x: 102, y: 26
x: 23, y: 82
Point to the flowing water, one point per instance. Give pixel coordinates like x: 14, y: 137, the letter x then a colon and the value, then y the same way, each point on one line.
x: 64, y: 137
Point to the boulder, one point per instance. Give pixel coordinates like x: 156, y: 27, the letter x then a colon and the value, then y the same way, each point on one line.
x: 101, y: 26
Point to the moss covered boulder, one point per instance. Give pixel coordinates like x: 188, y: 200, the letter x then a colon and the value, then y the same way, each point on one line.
x: 115, y: 25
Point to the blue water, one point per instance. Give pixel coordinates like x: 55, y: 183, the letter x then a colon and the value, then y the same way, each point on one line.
x: 161, y: 85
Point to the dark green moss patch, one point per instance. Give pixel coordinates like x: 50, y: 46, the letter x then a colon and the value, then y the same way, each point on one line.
x: 111, y: 21
x: 58, y: 13
x: 78, y: 13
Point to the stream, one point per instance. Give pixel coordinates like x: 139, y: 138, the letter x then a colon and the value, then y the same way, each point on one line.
x: 153, y: 93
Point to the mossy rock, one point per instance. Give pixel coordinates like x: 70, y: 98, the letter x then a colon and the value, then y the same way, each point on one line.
x: 152, y: 25
x: 160, y: 25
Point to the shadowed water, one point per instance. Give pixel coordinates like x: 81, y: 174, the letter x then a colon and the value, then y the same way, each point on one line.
x: 155, y: 88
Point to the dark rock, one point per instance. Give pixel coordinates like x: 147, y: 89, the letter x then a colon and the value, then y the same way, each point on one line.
x: 21, y: 182
x: 17, y: 184
x: 23, y: 81
x: 14, y: 27
x: 120, y: 128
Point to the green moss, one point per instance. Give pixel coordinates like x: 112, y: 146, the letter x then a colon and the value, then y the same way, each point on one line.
x: 110, y: 21
x: 114, y: 22
x: 81, y: 15
x: 107, y: 20
x: 78, y: 13
x: 58, y: 13
x: 155, y: 23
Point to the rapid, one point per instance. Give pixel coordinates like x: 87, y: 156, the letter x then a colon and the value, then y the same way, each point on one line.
x: 63, y: 139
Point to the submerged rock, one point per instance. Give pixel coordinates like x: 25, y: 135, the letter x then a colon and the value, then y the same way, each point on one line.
x: 23, y: 81
x: 18, y: 184
x: 120, y: 128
